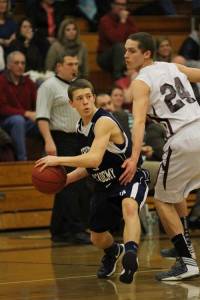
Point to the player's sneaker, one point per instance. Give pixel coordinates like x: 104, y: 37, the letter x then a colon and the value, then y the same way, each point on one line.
x: 169, y: 252
x: 130, y: 266
x: 183, y: 268
x: 109, y: 262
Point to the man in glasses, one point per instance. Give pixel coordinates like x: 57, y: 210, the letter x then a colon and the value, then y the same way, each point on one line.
x: 114, y: 28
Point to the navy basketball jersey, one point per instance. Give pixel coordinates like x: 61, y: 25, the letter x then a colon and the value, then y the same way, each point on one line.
x: 109, y: 170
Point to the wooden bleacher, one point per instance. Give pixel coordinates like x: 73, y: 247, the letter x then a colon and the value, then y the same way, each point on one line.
x: 23, y: 206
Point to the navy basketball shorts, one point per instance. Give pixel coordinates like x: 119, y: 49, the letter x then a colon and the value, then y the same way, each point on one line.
x: 106, y: 205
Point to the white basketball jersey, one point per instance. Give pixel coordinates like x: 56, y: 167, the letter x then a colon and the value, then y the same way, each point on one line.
x: 172, y: 100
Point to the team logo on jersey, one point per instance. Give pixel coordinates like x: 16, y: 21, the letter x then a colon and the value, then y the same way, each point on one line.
x: 105, y: 175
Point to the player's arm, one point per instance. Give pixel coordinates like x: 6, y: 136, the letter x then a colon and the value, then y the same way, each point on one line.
x: 193, y: 74
x: 76, y: 175
x: 103, y: 130
x: 50, y: 147
x: 140, y: 95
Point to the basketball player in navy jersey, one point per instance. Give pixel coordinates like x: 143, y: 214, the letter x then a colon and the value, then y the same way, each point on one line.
x: 163, y: 91
x: 104, y: 147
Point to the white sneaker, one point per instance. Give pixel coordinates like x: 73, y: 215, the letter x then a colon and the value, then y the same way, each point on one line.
x: 183, y: 268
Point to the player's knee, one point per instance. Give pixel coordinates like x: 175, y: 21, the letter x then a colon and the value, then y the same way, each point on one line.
x: 129, y: 207
x: 96, y: 238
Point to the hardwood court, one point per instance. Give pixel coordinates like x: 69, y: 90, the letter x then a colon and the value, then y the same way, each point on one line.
x: 31, y: 268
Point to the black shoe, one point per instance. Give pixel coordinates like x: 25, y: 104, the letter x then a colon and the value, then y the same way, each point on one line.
x: 130, y: 266
x: 170, y: 253
x: 109, y: 262
x: 183, y: 268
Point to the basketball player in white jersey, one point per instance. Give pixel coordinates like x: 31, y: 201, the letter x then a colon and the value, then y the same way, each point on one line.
x: 163, y: 91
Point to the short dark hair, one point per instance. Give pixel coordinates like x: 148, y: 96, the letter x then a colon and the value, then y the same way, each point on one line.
x: 61, y: 57
x: 146, y: 41
x: 79, y: 84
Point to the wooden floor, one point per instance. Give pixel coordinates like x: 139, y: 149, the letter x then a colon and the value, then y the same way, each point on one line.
x: 32, y: 268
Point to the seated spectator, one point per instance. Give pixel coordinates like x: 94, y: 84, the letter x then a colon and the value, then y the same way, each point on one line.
x: 8, y: 26
x: 104, y: 101
x: 17, y: 103
x: 155, y: 136
x: 117, y: 97
x: 190, y: 49
x: 26, y: 43
x: 92, y: 11
x: 42, y: 14
x: 163, y: 49
x: 114, y: 28
x: 118, y: 100
x: 68, y: 40
x: 152, y: 150
x: 88, y: 9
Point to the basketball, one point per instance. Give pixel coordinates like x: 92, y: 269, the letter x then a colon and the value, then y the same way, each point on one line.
x: 51, y: 180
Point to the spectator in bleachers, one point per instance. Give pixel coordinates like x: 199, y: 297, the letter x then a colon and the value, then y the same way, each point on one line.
x: 163, y: 49
x: 155, y: 136
x: 26, y: 42
x: 117, y: 97
x: 124, y: 83
x: 17, y: 103
x: 118, y: 100
x: 104, y: 101
x: 42, y: 15
x: 190, y: 48
x: 68, y: 40
x: 114, y: 28
x: 8, y: 26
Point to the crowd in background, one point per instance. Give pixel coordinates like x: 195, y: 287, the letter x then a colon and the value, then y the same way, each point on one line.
x: 48, y: 32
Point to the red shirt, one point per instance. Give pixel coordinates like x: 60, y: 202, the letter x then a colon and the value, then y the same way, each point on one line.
x: 112, y: 31
x: 16, y: 99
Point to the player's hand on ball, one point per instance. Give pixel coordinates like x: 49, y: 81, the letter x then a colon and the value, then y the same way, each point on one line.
x: 130, y: 168
x: 46, y: 161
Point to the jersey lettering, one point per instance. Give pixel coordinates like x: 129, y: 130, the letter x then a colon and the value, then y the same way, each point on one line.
x: 105, y: 175
x: 172, y: 103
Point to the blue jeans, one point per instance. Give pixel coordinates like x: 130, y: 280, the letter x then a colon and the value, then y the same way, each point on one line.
x: 18, y: 127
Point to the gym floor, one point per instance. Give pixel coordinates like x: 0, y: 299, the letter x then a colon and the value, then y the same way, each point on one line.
x: 32, y: 268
